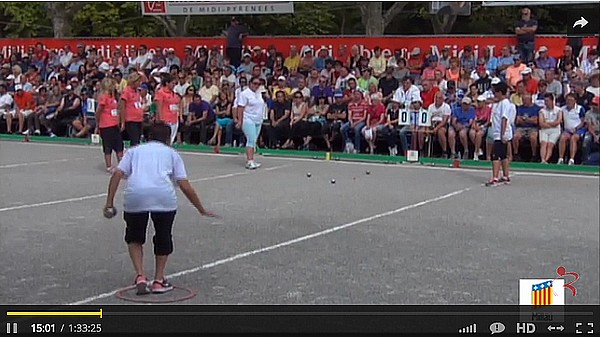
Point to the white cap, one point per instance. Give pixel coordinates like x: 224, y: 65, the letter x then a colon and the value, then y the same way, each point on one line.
x: 466, y: 100
x: 416, y: 51
x: 18, y: 87
x: 188, y: 47
x: 481, y: 98
x: 171, y: 50
x: 69, y: 87
x: 10, y: 77
x: 104, y: 66
x: 496, y: 80
x: 526, y: 71
x: 281, y: 78
x: 543, y: 49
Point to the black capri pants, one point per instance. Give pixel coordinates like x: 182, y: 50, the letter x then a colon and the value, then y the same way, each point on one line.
x: 134, y: 131
x: 500, y: 150
x: 111, y: 140
x: 135, y: 232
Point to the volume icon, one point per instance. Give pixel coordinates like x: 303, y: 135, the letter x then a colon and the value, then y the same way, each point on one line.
x: 469, y: 329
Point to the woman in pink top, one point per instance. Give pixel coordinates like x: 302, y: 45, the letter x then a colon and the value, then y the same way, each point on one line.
x: 168, y: 105
x: 131, y: 109
x: 107, y: 118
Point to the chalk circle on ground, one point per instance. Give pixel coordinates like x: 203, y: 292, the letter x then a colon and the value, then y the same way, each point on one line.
x: 178, y: 294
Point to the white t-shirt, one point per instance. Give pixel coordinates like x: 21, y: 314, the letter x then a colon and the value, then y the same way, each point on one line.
x: 551, y: 116
x: 503, y: 110
x: 572, y: 118
x: 253, y: 104
x: 140, y: 60
x: 6, y: 102
x: 438, y: 113
x: 152, y: 170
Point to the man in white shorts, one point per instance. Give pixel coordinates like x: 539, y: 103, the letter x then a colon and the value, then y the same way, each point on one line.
x: 440, y: 113
x: 549, y: 121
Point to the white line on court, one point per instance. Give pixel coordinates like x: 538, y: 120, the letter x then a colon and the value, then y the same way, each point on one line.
x: 288, y: 243
x: 101, y: 195
x: 41, y: 162
x: 400, y: 166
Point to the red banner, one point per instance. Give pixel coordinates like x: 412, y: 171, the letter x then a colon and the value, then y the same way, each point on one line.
x: 106, y: 46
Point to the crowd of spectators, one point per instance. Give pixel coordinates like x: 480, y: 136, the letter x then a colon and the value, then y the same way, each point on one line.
x: 350, y: 103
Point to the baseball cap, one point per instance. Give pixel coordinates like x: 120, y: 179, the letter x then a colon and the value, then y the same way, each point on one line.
x: 69, y: 87
x: 496, y: 80
x: 480, y: 98
x: 543, y: 49
x: 281, y: 78
x: 466, y: 100
x: 526, y: 71
x: 18, y: 87
x: 247, y: 55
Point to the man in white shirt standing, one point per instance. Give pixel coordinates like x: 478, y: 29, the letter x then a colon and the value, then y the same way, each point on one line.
x: 502, y: 112
x: 152, y: 170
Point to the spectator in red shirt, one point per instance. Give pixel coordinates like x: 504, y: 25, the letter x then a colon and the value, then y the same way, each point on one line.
x: 428, y: 93
x: 531, y: 84
x: 357, y: 111
x: 259, y: 58
x: 24, y: 107
x: 376, y: 116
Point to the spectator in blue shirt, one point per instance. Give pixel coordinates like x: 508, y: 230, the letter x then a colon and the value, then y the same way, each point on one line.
x: 526, y: 126
x: 462, y: 122
x: 525, y: 30
x: 491, y: 62
x: 504, y: 61
x: 201, y: 115
x: 321, y: 90
x: 545, y: 61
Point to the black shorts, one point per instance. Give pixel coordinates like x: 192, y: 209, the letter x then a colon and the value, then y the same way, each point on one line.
x: 134, y: 131
x: 137, y: 223
x: 111, y: 140
x: 500, y: 150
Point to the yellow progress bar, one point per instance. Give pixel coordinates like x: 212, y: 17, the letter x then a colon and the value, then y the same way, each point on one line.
x: 55, y: 313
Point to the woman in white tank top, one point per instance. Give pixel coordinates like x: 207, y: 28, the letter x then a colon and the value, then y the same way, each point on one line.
x: 550, y: 118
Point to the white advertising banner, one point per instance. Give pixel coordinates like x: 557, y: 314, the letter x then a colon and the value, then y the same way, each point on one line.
x: 216, y: 7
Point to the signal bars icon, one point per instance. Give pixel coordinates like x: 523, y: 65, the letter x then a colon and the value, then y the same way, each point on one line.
x: 469, y: 329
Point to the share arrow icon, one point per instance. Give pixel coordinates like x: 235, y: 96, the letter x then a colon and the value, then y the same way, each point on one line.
x: 581, y: 22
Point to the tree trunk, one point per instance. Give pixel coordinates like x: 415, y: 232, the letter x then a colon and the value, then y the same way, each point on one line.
x: 177, y: 26
x: 60, y: 19
x: 442, y: 24
x: 375, y: 20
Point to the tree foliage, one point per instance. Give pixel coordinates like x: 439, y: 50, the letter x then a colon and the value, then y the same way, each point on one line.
x: 114, y: 19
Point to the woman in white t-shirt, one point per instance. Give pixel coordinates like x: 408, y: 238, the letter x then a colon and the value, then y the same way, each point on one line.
x: 250, y: 107
x: 550, y: 118
x: 574, y: 121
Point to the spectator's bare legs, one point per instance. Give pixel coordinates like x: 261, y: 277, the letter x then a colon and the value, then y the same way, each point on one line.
x: 533, y: 140
x: 216, y: 138
x: 452, y: 141
x: 562, y: 146
x: 574, y: 143
x: 78, y: 126
x: 441, y: 134
x: 489, y: 148
x: 509, y: 153
x: 9, y: 119
x: 21, y: 119
x: 479, y: 134
x: 546, y: 151
x: 136, y: 253
x: 462, y: 134
x: 516, y: 142
x: 505, y: 166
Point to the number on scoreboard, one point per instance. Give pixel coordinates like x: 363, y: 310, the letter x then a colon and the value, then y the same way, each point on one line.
x: 424, y: 118
x: 404, y: 118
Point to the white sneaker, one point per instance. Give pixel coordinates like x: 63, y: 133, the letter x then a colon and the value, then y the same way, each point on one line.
x: 560, y: 161
x: 25, y: 133
x: 37, y: 132
x: 571, y: 162
x: 480, y: 153
x: 52, y: 135
x: 252, y: 165
x: 476, y: 158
